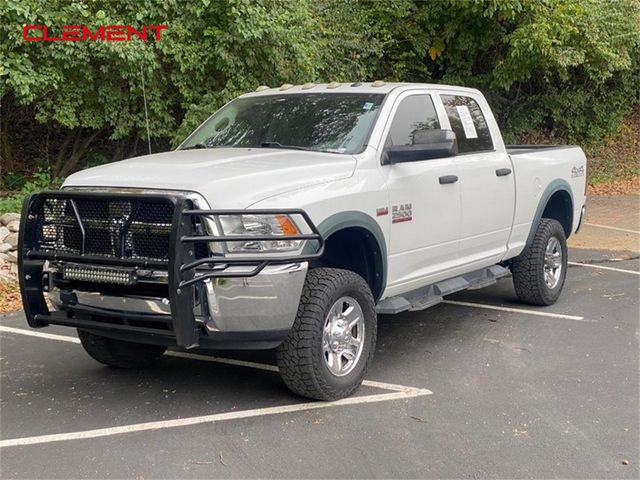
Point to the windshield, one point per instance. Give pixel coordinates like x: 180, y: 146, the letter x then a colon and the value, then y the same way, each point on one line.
x: 326, y: 122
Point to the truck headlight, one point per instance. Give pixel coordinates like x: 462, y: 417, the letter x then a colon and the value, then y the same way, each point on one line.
x: 279, y: 225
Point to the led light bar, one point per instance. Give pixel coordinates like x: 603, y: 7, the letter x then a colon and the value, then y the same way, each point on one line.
x: 99, y: 274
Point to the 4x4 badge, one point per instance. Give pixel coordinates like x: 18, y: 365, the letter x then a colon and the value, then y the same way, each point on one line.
x: 577, y: 171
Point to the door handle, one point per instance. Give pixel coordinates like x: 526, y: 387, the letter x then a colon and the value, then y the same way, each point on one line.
x: 448, y: 179
x: 503, y: 172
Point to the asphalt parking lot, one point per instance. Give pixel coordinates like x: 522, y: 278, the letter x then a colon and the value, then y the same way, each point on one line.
x: 456, y: 391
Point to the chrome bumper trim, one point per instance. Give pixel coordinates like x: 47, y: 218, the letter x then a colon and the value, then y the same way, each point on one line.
x: 268, y: 301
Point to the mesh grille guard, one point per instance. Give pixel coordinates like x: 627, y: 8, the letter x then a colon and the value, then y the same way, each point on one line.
x: 101, y: 227
x: 137, y: 231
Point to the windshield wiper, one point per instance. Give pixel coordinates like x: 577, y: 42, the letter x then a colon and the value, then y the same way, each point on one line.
x: 262, y: 145
x: 193, y: 147
x: 279, y: 145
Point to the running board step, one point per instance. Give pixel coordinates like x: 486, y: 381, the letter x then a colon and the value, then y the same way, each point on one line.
x: 431, y: 295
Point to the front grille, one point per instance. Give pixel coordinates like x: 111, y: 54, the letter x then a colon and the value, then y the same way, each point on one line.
x: 135, y: 228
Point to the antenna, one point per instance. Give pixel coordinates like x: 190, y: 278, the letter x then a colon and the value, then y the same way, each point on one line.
x: 146, y: 113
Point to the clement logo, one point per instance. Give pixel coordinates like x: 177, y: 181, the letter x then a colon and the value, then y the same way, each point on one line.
x: 82, y: 33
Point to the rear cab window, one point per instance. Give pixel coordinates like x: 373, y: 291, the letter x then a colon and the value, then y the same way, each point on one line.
x: 468, y: 123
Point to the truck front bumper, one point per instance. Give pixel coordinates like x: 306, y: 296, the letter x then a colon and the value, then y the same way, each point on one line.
x: 188, y: 300
x: 253, y: 312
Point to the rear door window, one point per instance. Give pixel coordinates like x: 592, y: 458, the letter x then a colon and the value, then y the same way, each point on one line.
x: 468, y: 123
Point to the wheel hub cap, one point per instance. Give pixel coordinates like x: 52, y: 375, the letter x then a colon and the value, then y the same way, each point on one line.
x: 343, y: 336
x: 340, y: 335
x: 553, y: 262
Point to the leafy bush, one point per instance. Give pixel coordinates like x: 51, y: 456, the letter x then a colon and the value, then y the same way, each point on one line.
x: 617, y: 157
x: 41, y: 180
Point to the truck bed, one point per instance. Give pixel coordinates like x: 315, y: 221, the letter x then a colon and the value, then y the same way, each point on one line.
x: 524, y: 149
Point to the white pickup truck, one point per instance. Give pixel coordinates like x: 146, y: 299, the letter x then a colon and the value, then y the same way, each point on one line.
x: 290, y: 218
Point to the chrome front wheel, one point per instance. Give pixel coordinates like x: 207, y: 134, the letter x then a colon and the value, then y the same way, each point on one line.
x: 343, y: 336
x: 331, y: 343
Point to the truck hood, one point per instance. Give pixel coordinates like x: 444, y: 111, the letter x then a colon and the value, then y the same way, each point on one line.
x: 226, y: 177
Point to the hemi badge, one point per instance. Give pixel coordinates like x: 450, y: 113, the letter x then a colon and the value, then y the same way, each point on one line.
x: 382, y: 211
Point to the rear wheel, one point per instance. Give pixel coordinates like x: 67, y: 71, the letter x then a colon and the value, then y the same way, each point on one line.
x: 119, y: 353
x: 540, y: 270
x: 331, y: 343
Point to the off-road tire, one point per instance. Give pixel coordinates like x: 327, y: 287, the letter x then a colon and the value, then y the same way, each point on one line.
x: 300, y: 357
x: 119, y: 353
x: 528, y: 267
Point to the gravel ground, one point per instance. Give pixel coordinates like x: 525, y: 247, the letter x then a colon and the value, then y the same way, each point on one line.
x: 604, y: 212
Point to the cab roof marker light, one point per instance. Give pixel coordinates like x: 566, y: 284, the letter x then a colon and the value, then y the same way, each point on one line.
x: 286, y: 86
x: 356, y: 84
x: 333, y: 85
x: 262, y: 88
x: 308, y: 85
x: 378, y: 83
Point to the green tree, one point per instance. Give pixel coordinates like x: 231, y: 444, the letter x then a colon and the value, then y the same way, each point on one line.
x: 211, y: 52
x: 570, y: 68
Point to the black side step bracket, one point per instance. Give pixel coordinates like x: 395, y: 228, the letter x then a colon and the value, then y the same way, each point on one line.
x: 425, y: 297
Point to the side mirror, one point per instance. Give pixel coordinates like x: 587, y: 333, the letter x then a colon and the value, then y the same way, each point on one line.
x: 427, y: 144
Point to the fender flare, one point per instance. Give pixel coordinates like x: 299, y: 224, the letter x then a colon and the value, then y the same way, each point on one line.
x: 557, y: 185
x: 350, y: 219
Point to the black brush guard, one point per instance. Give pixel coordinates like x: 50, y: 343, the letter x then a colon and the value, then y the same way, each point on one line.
x: 185, y: 270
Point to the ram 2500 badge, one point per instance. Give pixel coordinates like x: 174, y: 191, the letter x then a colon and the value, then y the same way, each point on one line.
x: 290, y: 219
